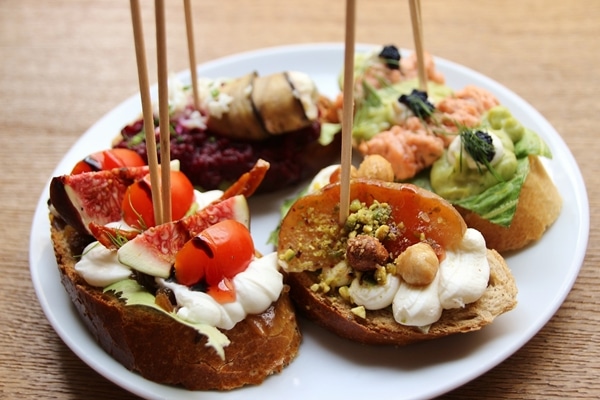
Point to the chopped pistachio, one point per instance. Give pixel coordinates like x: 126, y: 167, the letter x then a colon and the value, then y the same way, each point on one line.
x: 359, y: 311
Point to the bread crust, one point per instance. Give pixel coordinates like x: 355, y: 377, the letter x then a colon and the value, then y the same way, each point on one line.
x: 538, y: 207
x: 167, y: 352
x: 379, y: 326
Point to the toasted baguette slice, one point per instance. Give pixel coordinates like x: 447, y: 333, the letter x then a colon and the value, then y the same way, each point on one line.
x: 538, y: 207
x: 379, y: 327
x: 165, y: 351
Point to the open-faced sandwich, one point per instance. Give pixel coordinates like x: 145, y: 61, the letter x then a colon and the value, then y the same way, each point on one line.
x: 402, y: 267
x: 280, y: 118
x: 463, y: 145
x: 188, y: 302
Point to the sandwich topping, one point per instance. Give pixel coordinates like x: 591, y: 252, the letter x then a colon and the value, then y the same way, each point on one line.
x: 257, y: 286
x: 383, y: 256
x: 238, y: 121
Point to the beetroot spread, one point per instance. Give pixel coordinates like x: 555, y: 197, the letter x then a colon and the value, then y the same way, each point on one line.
x: 213, y: 162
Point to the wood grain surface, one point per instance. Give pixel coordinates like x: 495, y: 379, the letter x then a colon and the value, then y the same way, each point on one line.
x: 64, y: 64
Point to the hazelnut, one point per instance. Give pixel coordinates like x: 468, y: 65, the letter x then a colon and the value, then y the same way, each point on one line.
x: 418, y: 264
x: 376, y: 167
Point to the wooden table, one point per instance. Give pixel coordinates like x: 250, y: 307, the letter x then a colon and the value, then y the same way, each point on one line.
x: 64, y: 64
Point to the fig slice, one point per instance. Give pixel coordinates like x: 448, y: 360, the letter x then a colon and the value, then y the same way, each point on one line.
x: 92, y: 196
x: 153, y: 251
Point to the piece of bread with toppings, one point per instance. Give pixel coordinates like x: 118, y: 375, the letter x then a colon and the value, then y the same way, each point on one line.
x: 166, y: 351
x: 402, y: 268
x: 188, y: 302
x: 281, y: 118
x: 379, y: 327
x: 539, y: 206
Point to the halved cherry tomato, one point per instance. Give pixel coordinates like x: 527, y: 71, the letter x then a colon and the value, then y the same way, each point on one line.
x: 109, y: 159
x: 215, y: 256
x: 137, y: 207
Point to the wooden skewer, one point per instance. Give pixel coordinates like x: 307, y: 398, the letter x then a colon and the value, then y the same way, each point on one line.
x: 191, y: 50
x: 348, y: 111
x: 147, y: 112
x: 415, y: 16
x: 163, y: 110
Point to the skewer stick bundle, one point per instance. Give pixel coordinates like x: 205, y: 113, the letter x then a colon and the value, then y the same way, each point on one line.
x: 348, y: 110
x: 146, y: 108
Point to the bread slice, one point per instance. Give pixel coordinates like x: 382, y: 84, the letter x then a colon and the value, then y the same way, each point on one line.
x: 167, y: 352
x: 379, y: 326
x: 538, y: 207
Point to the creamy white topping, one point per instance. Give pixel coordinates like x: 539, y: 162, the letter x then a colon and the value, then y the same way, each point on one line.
x: 212, y: 99
x: 99, y: 266
x: 256, y: 288
x: 416, y: 305
x: 462, y: 279
x: 456, y: 151
x: 178, y: 98
x: 322, y: 178
x: 373, y: 296
x: 464, y: 274
x: 306, y: 91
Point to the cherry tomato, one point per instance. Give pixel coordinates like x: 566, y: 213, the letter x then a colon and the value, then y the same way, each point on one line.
x: 109, y: 159
x: 216, y: 255
x: 137, y: 207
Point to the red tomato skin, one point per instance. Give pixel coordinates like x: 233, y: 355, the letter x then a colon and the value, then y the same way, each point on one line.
x: 216, y: 255
x: 109, y: 159
x: 138, y: 200
x: 182, y: 194
x: 138, y: 211
x: 117, y: 158
x: 187, y: 270
x: 233, y: 250
x: 81, y: 167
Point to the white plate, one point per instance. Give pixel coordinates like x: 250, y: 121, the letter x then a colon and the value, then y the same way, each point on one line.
x: 326, y: 365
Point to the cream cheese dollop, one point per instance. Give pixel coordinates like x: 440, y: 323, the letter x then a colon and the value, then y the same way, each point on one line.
x: 373, y: 296
x: 99, y: 266
x: 416, y: 305
x: 464, y: 274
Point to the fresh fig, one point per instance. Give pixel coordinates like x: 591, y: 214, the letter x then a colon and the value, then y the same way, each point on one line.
x: 92, y: 196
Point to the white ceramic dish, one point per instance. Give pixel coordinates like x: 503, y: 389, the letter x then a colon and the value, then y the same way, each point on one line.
x: 326, y: 365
